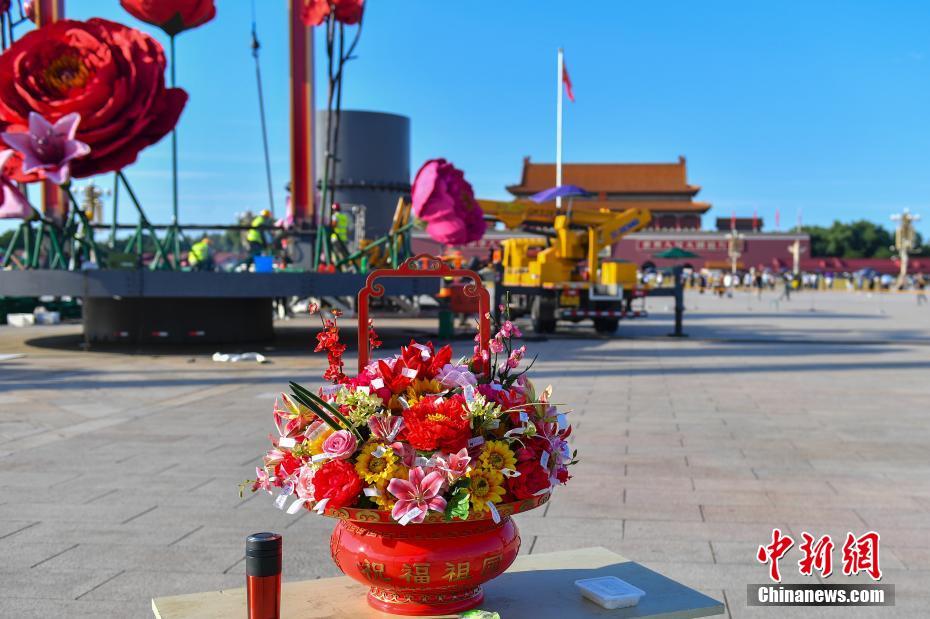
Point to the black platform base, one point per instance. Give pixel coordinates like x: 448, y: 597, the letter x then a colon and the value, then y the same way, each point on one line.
x: 177, y: 320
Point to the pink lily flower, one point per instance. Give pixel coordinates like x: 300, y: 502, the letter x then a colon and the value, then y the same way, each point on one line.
x: 417, y: 495
x: 385, y: 427
x: 13, y: 204
x: 454, y: 466
x: 49, y: 147
x: 262, y: 481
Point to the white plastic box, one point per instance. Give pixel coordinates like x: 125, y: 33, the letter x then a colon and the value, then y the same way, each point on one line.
x: 609, y: 592
x: 20, y: 320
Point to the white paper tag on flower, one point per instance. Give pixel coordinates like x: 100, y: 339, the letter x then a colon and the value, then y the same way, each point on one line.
x: 409, y: 373
x: 377, y: 383
x: 371, y: 491
x: 319, y: 457
x: 321, y: 506
x: 280, y: 501
x: 379, y: 451
x: 420, y: 461
x: 563, y: 422
x: 363, y: 389
x: 495, y: 515
x: 469, y: 393
x: 524, y: 417
x: 510, y: 473
x: 514, y: 432
x: 406, y: 518
x: 403, y: 401
x: 295, y: 506
x: 286, y: 442
x: 330, y: 389
x: 544, y: 459
x: 475, y: 441
x: 439, y: 400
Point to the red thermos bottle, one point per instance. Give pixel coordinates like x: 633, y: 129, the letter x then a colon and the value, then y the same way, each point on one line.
x: 263, y: 575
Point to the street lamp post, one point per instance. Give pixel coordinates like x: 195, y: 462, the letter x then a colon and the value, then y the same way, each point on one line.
x: 904, y: 241
x: 734, y: 251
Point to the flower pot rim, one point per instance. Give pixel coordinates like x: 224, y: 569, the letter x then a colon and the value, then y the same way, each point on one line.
x: 361, y: 514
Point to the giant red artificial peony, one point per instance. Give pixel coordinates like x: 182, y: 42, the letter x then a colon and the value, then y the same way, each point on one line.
x: 446, y: 202
x: 348, y: 12
x: 172, y: 16
x: 110, y: 74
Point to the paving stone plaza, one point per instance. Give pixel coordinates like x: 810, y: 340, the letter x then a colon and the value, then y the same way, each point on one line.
x: 119, y: 469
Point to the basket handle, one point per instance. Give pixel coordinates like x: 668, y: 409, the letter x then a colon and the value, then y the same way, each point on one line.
x: 423, y: 265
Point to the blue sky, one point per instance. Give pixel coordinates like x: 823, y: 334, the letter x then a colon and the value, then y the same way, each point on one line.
x: 820, y: 106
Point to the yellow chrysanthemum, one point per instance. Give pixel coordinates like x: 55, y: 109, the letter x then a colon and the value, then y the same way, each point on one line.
x: 485, y: 487
x: 314, y: 445
x: 386, y: 500
x: 496, y: 456
x: 419, y: 388
x: 372, y: 468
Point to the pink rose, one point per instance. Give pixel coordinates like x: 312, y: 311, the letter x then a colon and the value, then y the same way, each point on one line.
x: 304, y: 487
x: 340, y: 445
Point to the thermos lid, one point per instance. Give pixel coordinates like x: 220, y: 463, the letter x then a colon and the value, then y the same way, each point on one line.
x: 263, y: 545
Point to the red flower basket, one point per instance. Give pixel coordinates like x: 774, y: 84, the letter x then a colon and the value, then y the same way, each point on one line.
x: 423, y: 459
x: 433, y: 568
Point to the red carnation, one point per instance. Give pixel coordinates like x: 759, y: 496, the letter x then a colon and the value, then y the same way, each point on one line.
x: 112, y: 75
x: 533, y: 478
x: 337, y: 481
x: 429, y: 426
x: 172, y: 16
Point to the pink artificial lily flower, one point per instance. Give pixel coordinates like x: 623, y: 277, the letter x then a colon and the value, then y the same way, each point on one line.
x: 262, y: 481
x: 453, y: 465
x: 385, y: 427
x: 49, y: 147
x: 417, y: 495
x: 13, y: 204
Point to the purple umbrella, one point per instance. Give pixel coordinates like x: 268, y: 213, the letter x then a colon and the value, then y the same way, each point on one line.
x: 562, y: 191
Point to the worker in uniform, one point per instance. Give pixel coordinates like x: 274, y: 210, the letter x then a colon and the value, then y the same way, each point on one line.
x: 339, y: 223
x: 200, y: 257
x: 258, y: 235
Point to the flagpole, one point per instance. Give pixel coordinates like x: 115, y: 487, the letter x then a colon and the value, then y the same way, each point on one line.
x: 558, y: 130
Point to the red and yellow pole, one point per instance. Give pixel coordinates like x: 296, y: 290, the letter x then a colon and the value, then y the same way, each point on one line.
x: 303, y: 188
x: 54, y: 203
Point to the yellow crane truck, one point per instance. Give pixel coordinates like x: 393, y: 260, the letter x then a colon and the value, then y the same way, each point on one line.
x: 560, y: 275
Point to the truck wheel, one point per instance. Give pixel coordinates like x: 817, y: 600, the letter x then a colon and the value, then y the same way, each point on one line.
x: 606, y: 325
x: 543, y: 315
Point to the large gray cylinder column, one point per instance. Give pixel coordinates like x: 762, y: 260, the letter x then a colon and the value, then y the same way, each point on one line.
x: 373, y: 164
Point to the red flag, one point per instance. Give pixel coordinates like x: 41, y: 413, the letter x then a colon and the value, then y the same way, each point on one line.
x: 568, y: 83
x: 755, y: 221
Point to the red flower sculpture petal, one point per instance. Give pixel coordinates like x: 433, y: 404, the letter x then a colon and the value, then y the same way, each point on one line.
x: 172, y: 16
x: 446, y: 202
x: 110, y: 74
x: 348, y: 12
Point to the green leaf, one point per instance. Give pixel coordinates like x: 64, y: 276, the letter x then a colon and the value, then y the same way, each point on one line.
x: 329, y: 408
x: 458, y: 505
x: 319, y: 412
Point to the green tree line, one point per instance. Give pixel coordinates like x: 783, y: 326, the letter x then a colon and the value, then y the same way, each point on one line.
x: 857, y: 239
